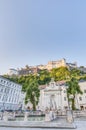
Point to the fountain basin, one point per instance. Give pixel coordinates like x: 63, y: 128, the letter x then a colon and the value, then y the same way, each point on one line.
x: 37, y: 124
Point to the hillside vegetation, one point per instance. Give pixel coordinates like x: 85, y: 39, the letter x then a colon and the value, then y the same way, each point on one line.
x: 44, y: 76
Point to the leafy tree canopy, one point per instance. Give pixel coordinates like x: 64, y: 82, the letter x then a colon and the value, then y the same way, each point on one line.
x: 73, y: 89
x: 32, y: 93
x: 61, y: 73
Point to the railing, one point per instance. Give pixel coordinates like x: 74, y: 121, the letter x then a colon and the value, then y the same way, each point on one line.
x: 79, y: 113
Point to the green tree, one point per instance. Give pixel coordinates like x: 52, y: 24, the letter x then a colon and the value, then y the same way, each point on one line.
x: 44, y: 77
x: 73, y: 89
x: 32, y: 93
x: 61, y: 73
x: 75, y: 72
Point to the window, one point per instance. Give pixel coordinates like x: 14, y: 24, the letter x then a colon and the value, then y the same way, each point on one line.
x: 0, y: 96
x: 1, y: 80
x: 64, y: 98
x: 15, y: 100
x: 4, y: 98
x: 11, y: 91
x: 80, y: 98
x: 4, y: 81
x: 64, y: 91
x: 12, y: 99
x: 14, y: 91
x: 1, y: 90
x: 85, y: 91
x: 5, y: 90
x: 9, y: 99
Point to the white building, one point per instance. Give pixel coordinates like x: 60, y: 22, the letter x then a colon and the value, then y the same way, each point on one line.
x: 54, y: 96
x: 81, y: 99
x: 13, y: 72
x: 56, y: 64
x: 10, y: 95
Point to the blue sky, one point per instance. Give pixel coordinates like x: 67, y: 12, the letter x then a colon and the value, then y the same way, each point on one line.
x: 35, y: 31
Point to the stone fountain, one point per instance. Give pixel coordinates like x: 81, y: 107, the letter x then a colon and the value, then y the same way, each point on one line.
x: 48, y: 122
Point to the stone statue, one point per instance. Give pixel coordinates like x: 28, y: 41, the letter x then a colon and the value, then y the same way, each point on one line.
x: 47, y: 116
x: 26, y: 116
x: 5, y: 116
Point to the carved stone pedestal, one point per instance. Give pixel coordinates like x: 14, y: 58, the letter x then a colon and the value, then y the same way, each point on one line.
x: 5, y: 116
x: 70, y: 116
x: 26, y: 116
